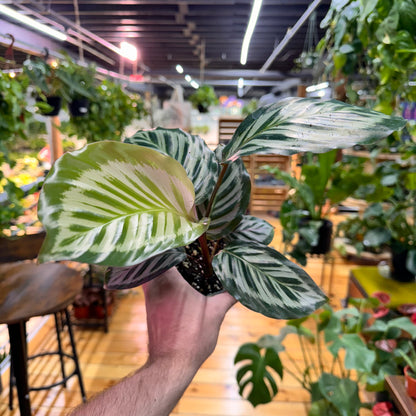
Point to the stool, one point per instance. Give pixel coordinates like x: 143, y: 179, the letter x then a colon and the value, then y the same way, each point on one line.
x: 28, y: 290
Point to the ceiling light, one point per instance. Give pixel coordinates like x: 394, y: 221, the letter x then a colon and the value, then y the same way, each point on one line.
x: 32, y: 23
x: 255, y: 11
x: 179, y: 68
x: 188, y: 78
x: 129, y: 51
x: 194, y: 84
x: 317, y: 87
x: 240, y: 82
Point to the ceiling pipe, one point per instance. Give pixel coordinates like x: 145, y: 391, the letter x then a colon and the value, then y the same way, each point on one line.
x: 289, y: 35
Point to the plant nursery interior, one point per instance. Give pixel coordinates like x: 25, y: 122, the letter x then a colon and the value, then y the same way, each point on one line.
x: 264, y: 148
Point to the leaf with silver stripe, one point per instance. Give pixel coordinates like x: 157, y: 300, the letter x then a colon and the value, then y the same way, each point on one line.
x: 132, y: 276
x: 265, y: 281
x: 189, y: 150
x: 252, y: 229
x: 305, y: 124
x: 231, y: 201
x: 116, y: 204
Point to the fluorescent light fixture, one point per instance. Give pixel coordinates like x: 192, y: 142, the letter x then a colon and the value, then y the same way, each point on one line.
x: 179, y: 68
x: 255, y: 11
x: 32, y: 23
x: 194, y: 84
x: 129, y: 51
x: 240, y: 82
x: 188, y: 78
x: 317, y: 87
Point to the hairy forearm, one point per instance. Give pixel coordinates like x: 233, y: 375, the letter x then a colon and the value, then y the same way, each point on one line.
x: 154, y: 390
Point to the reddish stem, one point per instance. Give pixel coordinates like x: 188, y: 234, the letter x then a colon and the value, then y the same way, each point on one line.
x: 205, y: 254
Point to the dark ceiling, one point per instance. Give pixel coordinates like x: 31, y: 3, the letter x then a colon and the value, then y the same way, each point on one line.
x: 204, y: 36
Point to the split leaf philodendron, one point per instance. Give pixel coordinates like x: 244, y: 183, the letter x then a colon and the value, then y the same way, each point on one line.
x: 162, y: 196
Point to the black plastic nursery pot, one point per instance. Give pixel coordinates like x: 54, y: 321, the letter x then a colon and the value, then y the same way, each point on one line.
x: 325, y: 236
x: 398, y: 262
x: 79, y: 107
x: 55, y: 102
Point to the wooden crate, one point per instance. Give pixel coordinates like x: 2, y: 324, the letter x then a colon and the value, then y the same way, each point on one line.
x: 266, y: 194
x: 227, y: 127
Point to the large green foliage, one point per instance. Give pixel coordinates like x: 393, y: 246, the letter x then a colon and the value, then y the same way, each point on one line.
x: 111, y: 110
x: 332, y: 343
x: 122, y: 204
x: 377, y: 39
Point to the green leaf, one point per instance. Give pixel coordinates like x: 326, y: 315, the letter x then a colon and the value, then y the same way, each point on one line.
x: 305, y: 124
x: 341, y: 392
x: 358, y: 356
x: 231, y: 200
x: 376, y: 237
x: 190, y: 151
x: 253, y: 229
x: 116, y: 204
x: 132, y: 276
x: 263, y: 280
x: 255, y: 376
x: 411, y: 261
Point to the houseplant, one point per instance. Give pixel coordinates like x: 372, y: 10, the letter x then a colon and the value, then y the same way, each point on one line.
x: 410, y: 370
x: 322, y: 184
x: 143, y: 206
x: 341, y: 351
x: 377, y: 40
x: 111, y: 110
x: 389, y: 220
x: 79, y: 83
x: 203, y: 98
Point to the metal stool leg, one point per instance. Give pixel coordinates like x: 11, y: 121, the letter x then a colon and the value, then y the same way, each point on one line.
x: 75, y: 355
x: 61, y: 357
x: 12, y: 382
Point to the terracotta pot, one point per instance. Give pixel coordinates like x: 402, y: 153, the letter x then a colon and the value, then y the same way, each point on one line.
x: 99, y: 312
x: 82, y: 312
x: 410, y: 383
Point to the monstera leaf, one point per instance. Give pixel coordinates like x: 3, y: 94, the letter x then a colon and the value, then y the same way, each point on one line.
x: 263, y: 280
x: 132, y: 276
x: 116, y: 204
x: 307, y: 125
x: 256, y: 376
x: 190, y: 151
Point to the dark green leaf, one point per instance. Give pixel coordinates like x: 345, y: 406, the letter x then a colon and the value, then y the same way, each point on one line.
x: 255, y: 380
x: 263, y: 280
x: 304, y: 124
x: 132, y: 276
x: 253, y: 229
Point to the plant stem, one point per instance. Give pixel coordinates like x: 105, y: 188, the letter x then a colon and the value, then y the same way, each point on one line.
x: 205, y: 254
x: 217, y: 186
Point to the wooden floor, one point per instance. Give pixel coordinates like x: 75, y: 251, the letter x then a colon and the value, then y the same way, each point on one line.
x: 105, y: 358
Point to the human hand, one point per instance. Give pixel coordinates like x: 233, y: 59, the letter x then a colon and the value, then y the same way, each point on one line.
x: 182, y: 323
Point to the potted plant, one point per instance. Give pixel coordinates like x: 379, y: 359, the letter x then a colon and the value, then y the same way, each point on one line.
x: 322, y: 184
x: 110, y: 111
x: 332, y: 344
x: 47, y: 83
x: 168, y: 200
x: 79, y: 81
x: 203, y: 98
x: 410, y: 370
x: 389, y: 221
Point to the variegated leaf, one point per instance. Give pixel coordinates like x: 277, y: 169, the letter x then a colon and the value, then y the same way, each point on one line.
x: 231, y: 201
x: 263, y: 280
x: 252, y: 229
x: 132, y: 276
x: 305, y: 124
x: 189, y: 150
x: 116, y: 204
